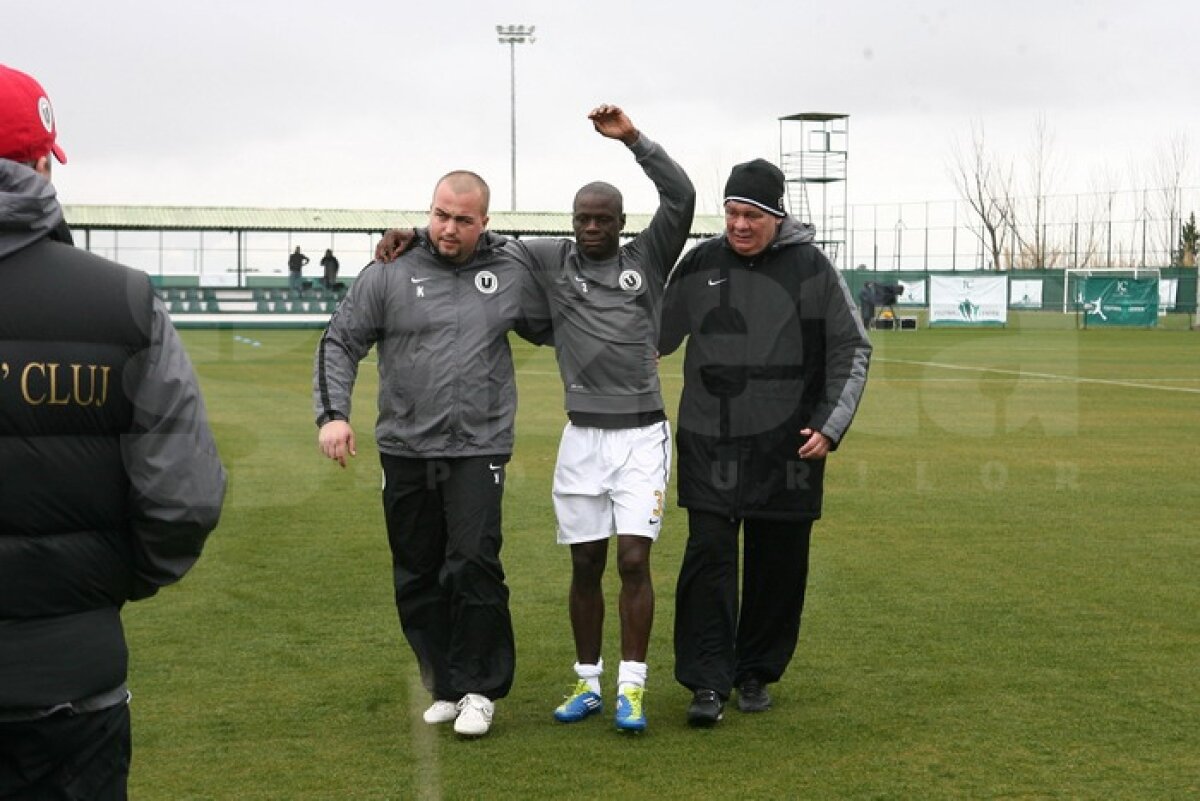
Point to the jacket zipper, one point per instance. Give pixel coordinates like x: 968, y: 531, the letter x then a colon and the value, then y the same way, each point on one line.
x: 455, y: 399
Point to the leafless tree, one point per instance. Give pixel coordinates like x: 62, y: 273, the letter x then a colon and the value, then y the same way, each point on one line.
x: 1094, y: 219
x: 984, y: 181
x: 1167, y: 169
x: 1030, y: 215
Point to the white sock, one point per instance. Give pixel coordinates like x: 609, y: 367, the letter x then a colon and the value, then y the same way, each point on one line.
x: 591, y: 674
x: 631, y: 673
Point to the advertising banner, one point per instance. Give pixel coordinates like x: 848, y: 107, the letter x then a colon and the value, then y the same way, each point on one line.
x: 1168, y: 291
x: 914, y: 293
x: 1025, y: 294
x: 1109, y: 300
x: 980, y: 300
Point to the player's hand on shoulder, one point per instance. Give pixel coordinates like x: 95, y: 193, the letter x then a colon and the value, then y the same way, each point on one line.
x: 394, y: 242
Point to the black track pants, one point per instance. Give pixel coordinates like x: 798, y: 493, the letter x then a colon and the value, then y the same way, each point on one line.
x: 717, y: 646
x: 443, y: 523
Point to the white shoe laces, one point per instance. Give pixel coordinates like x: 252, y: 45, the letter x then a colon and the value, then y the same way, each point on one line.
x: 478, y: 703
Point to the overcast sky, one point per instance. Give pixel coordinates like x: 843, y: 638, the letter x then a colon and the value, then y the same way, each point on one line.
x: 364, y: 103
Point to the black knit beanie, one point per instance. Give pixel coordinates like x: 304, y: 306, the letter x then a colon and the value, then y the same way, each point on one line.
x: 759, y: 183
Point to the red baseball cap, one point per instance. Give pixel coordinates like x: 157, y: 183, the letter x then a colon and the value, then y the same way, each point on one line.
x: 27, y: 129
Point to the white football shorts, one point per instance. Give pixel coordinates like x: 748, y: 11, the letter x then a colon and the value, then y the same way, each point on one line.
x: 611, y: 481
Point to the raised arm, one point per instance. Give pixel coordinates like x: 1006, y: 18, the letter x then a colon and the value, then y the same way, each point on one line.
x: 664, y: 238
x: 612, y: 122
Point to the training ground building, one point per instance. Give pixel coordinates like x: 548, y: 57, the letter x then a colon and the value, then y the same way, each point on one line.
x: 227, y: 266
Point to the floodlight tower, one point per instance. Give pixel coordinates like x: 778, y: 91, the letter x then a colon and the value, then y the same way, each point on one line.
x: 513, y: 35
x: 813, y: 150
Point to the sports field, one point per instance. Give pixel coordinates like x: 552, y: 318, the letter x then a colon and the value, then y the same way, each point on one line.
x: 1004, y: 599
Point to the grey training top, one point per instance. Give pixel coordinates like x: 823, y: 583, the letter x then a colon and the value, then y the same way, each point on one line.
x: 446, y: 386
x: 606, y: 313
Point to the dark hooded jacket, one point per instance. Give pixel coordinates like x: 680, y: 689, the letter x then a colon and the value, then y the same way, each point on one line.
x: 774, y: 346
x: 109, y: 476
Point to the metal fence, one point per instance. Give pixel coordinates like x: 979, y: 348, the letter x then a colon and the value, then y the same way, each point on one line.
x: 211, y: 257
x: 1117, y: 229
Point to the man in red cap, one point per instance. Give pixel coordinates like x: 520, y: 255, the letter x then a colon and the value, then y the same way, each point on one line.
x: 109, y: 475
x: 28, y: 130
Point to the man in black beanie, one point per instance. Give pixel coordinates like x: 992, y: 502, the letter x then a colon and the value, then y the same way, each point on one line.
x: 775, y: 366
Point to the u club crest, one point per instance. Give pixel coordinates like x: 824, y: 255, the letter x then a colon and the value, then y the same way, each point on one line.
x: 630, y: 280
x: 485, y: 282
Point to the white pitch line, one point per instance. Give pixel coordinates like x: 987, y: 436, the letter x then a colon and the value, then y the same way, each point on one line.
x: 424, y: 743
x: 1053, y: 376
x: 1042, y: 376
x: 1064, y: 380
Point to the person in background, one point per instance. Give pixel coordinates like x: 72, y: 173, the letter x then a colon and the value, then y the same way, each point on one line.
x: 110, y: 480
x: 296, y: 262
x: 775, y: 365
x: 439, y: 316
x: 866, y: 296
x: 329, y: 267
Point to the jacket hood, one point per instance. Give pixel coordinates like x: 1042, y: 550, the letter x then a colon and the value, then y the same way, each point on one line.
x: 794, y: 232
x: 29, y: 210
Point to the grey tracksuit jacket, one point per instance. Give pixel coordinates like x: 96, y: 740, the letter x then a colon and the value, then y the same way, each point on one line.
x: 606, y: 313
x: 446, y: 384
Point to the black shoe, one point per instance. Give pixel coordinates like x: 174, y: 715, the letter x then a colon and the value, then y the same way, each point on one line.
x: 753, y: 696
x: 706, y: 708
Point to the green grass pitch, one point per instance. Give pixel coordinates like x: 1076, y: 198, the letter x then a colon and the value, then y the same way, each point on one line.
x: 1004, y: 599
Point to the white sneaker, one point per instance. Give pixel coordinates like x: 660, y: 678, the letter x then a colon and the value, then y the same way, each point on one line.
x: 441, y: 712
x: 474, y: 715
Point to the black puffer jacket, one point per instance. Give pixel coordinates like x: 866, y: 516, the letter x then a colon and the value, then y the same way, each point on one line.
x: 775, y: 345
x: 109, y: 476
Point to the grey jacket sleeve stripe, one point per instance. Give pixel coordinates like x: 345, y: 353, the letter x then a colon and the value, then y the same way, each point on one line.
x: 326, y: 408
x: 848, y: 356
x: 347, y: 339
